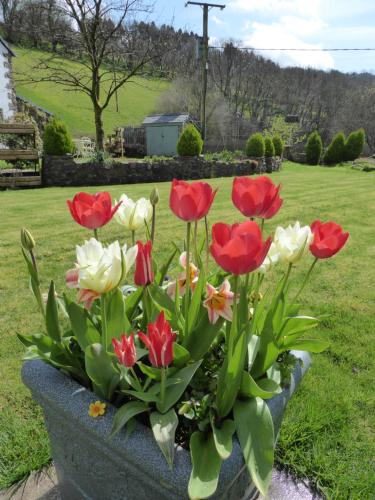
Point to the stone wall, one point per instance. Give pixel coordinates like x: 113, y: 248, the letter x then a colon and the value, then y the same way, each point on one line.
x: 64, y: 171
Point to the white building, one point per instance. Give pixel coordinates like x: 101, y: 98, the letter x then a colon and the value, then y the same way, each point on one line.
x: 7, y: 95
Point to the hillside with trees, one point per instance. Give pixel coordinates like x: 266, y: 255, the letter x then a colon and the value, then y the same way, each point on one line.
x: 247, y: 93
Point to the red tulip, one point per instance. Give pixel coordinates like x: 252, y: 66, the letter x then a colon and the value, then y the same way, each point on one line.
x: 92, y: 210
x: 329, y: 239
x: 159, y: 342
x: 125, y: 350
x: 238, y: 249
x: 191, y: 202
x: 256, y: 197
x: 144, y: 274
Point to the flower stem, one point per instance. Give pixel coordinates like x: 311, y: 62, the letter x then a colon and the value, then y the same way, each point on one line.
x: 163, y: 379
x: 137, y: 383
x: 133, y: 238
x: 187, y: 276
x: 207, y: 243
x: 195, y: 240
x: 96, y: 236
x: 153, y: 223
x: 262, y: 226
x: 104, y: 320
x: 233, y: 329
x: 305, y: 280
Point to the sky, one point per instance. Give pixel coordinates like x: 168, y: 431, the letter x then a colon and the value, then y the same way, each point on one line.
x: 279, y: 24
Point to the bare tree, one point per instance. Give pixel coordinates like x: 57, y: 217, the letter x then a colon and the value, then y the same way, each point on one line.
x: 9, y: 13
x: 103, y: 43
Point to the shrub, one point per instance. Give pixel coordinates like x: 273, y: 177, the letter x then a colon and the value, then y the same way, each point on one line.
x: 335, y: 151
x: 255, y: 146
x: 190, y: 142
x: 354, y: 145
x: 57, y: 139
x: 314, y: 148
x: 269, y: 148
x: 278, y: 144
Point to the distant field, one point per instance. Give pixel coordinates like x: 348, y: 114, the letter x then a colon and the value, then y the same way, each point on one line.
x: 328, y: 434
x: 136, y: 99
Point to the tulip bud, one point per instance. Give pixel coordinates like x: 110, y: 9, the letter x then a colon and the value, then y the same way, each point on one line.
x: 27, y: 240
x: 154, y: 197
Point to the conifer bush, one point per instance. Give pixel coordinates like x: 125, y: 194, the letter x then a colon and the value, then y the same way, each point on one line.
x: 57, y: 139
x: 255, y: 146
x: 354, y: 144
x: 314, y: 148
x: 190, y: 142
x: 336, y: 150
x: 269, y: 148
x: 278, y: 144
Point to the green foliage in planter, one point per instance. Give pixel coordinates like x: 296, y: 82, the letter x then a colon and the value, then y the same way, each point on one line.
x: 278, y: 144
x: 57, y: 139
x: 255, y: 146
x: 269, y: 148
x: 314, y: 148
x: 336, y: 150
x: 190, y: 142
x: 354, y: 145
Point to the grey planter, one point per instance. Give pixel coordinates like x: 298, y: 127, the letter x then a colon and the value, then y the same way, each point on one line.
x: 90, y: 466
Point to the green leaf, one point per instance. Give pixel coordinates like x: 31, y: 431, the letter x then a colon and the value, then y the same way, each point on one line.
x: 149, y: 371
x: 147, y: 397
x: 164, y: 428
x: 83, y: 329
x: 42, y: 342
x: 164, y: 303
x: 200, y: 339
x: 297, y: 324
x: 117, y: 321
x: 252, y: 350
x: 125, y: 413
x: 100, y: 369
x: 311, y: 345
x: 52, y: 315
x: 255, y: 433
x: 206, y: 466
x: 180, y: 355
x: 132, y: 301
x: 196, y: 301
x: 159, y: 278
x: 223, y: 437
x: 179, y: 383
x: 264, y: 388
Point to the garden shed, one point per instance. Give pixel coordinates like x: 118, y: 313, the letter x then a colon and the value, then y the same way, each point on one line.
x: 163, y: 131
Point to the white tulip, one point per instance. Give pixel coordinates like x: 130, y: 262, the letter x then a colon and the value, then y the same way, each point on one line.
x: 133, y: 214
x: 99, y: 268
x: 271, y: 259
x: 292, y: 242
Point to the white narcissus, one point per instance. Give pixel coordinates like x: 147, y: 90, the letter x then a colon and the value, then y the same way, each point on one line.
x: 292, y: 242
x: 271, y: 259
x: 99, y: 269
x: 133, y: 214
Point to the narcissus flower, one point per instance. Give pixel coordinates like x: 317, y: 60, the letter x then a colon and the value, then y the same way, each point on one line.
x: 133, y: 214
x: 181, y: 280
x: 238, y: 249
x: 329, y: 238
x: 125, y: 350
x: 257, y: 197
x: 92, y: 210
x: 99, y: 269
x: 97, y: 409
x: 191, y: 202
x: 292, y: 242
x: 144, y: 274
x: 159, y: 342
x: 219, y: 302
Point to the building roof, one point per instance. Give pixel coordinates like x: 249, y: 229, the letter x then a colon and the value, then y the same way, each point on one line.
x: 3, y: 42
x: 31, y: 103
x: 168, y: 118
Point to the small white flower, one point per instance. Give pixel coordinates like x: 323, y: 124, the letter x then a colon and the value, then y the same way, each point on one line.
x: 292, y: 242
x: 133, y: 214
x: 271, y: 259
x: 99, y: 268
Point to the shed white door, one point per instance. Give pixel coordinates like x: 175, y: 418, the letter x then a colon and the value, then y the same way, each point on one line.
x: 162, y: 140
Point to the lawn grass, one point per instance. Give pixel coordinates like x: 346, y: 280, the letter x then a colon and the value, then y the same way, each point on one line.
x: 137, y: 98
x: 328, y: 432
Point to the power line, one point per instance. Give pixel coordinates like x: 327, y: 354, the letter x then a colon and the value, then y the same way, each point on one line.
x: 368, y: 49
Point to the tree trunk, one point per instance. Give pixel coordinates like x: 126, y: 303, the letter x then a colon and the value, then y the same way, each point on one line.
x: 99, y: 131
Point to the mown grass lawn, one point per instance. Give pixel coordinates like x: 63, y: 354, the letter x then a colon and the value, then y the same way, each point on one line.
x: 136, y: 99
x: 328, y: 432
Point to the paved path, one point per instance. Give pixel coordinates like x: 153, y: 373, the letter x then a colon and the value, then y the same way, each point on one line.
x: 42, y: 485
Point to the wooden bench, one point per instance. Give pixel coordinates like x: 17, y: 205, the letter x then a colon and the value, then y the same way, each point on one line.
x: 12, y: 155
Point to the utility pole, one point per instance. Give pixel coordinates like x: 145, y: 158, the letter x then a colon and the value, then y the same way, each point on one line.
x: 206, y: 7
